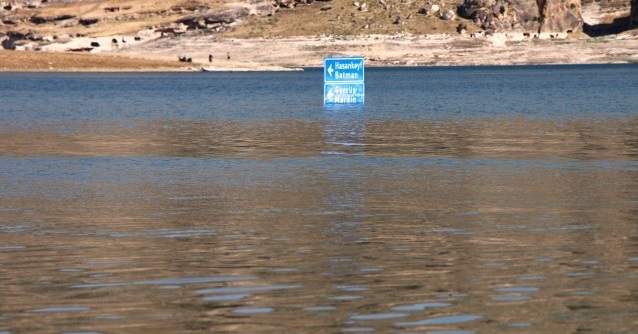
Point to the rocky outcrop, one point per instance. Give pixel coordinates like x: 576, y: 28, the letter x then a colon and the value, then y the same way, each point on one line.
x: 560, y: 15
x: 502, y: 15
x: 524, y: 15
x: 608, y: 17
x: 633, y: 17
x: 213, y: 20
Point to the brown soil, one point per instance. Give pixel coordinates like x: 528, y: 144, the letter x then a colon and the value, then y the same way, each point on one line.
x: 57, y: 61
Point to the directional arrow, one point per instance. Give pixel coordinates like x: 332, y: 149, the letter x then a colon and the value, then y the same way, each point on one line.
x: 330, y: 70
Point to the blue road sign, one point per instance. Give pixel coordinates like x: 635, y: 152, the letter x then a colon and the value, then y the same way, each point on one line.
x: 353, y: 93
x: 347, y: 69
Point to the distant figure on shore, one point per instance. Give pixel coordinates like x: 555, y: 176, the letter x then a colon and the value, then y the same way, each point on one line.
x: 228, y: 55
x: 210, y: 58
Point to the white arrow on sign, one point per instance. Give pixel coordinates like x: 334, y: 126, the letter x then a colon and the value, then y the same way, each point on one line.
x: 330, y: 70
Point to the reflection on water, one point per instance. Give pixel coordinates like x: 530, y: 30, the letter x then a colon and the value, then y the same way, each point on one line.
x: 466, y: 138
x: 331, y: 224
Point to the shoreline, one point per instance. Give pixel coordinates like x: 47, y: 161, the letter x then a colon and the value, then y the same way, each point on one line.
x: 161, y: 54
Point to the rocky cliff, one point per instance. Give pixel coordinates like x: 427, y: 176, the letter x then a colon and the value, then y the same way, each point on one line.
x: 595, y: 17
x: 525, y: 15
x: 49, y: 19
x: 603, y: 17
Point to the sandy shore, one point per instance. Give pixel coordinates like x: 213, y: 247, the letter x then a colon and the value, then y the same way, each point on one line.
x: 155, y: 53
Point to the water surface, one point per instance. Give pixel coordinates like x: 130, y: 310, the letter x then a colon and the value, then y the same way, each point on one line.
x: 456, y: 200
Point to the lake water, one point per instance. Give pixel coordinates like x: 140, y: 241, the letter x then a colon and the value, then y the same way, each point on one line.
x: 456, y: 200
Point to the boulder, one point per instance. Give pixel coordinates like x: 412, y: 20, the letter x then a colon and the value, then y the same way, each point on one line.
x: 9, y: 42
x: 286, y: 3
x: 448, y: 15
x: 88, y: 22
x: 211, y: 19
x: 264, y: 9
x: 34, y: 4
x: 227, y: 17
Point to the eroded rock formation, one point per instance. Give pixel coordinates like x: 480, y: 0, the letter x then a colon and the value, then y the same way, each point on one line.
x: 560, y: 15
x: 524, y: 15
x: 214, y: 20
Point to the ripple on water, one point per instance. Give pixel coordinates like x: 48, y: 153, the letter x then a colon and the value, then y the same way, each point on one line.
x: 319, y: 308
x: 581, y: 274
x: 241, y: 289
x: 452, y: 295
x: 420, y: 306
x: 345, y: 298
x: 10, y: 248
x: 531, y: 278
x: 169, y: 282
x: 109, y: 317
x: 284, y: 270
x: 521, y: 289
x: 440, y: 321
x: 223, y: 298
x: 378, y: 316
x: 197, y: 280
x: 357, y: 330
x: 61, y: 309
x: 510, y: 298
x: 519, y: 324
x: 451, y: 231
x: 352, y: 288
x: 254, y: 310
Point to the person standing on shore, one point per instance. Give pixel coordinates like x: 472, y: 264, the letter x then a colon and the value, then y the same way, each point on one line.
x: 210, y: 58
x: 228, y: 55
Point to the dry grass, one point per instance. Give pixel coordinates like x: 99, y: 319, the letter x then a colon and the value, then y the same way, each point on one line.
x: 337, y: 17
x: 57, y: 61
x: 132, y: 16
x: 343, y: 18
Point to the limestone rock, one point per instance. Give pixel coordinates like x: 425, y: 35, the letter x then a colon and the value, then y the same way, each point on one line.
x: 264, y: 9
x: 561, y: 15
x: 286, y: 3
x: 448, y: 15
x: 524, y: 15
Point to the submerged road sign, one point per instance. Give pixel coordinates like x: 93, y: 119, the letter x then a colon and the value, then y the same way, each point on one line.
x: 353, y: 93
x: 343, y: 80
x: 343, y: 69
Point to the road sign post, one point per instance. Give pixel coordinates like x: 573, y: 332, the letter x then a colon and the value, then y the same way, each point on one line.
x: 343, y: 80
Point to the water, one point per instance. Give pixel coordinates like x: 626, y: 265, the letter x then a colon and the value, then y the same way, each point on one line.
x: 456, y: 200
